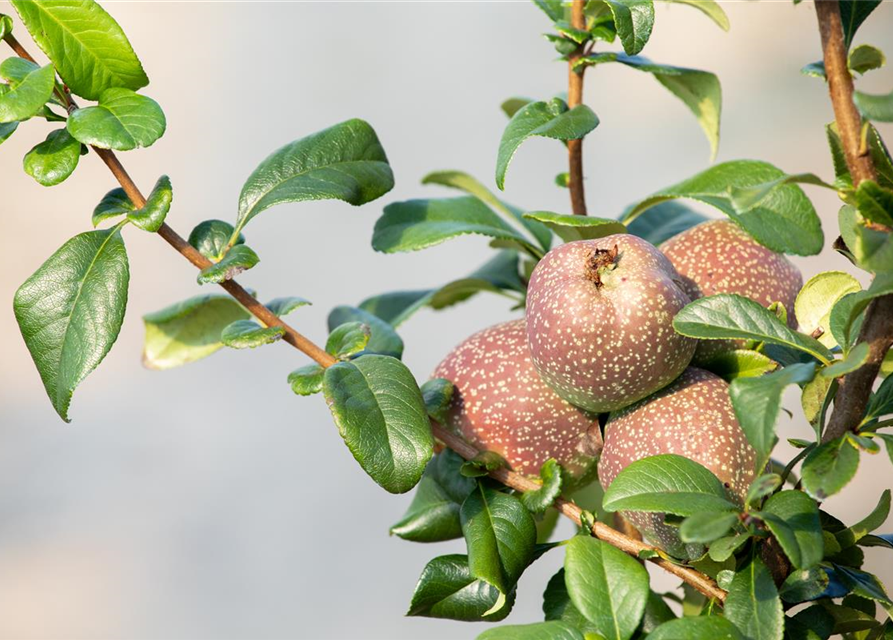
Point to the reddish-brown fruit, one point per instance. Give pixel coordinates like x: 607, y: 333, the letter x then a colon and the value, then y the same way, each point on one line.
x: 692, y: 417
x: 720, y: 257
x: 500, y: 404
x: 600, y: 321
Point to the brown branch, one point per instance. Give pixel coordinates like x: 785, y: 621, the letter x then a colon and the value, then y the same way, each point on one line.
x: 509, y: 478
x: 575, y: 98
x: 877, y: 328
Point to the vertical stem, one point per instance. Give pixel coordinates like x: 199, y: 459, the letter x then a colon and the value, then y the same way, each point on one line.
x: 575, y: 98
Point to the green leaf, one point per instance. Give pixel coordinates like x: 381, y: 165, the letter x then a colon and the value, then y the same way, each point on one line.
x: 699, y: 90
x: 853, y: 360
x: 152, y: 215
x: 877, y: 517
x: 552, y: 8
x: 634, y: 20
x: 539, y: 500
x: 54, y: 159
x: 500, y: 534
x: 817, y: 299
x: 847, y: 620
x: 438, y: 393
x: 852, y: 14
x: 795, y: 524
x: 881, y: 402
x: 865, y: 58
x: 863, y: 584
x: 123, y: 120
x: 348, y: 339
x: 876, y: 149
x: 383, y: 341
x: 248, y: 334
x: 707, y: 526
x: 379, y: 411
x: 5, y: 25
x: 874, y: 202
x: 85, y: 43
x: 553, y: 630
x: 697, y: 628
x: 548, y: 120
x: 805, y: 584
x: 446, y: 589
x: 740, y: 363
x: 210, y: 238
x: 757, y: 402
x: 28, y: 95
x: 724, y: 548
x: 238, y: 259
x: 7, y: 129
x: 189, y: 330
x: 732, y: 316
x: 710, y: 8
x: 871, y: 248
x: 307, y: 380
x: 609, y: 587
x: 557, y: 605
x: 396, y: 307
x: 417, y: 224
x: 663, y: 221
x: 845, y: 314
x: 113, y: 204
x: 784, y: 220
x: 511, y: 106
x: 71, y: 309
x: 763, y: 486
x: 753, y: 604
x: 570, y: 228
x: 746, y: 198
x: 668, y: 484
x: 829, y: 467
x: 433, y: 515
x: 344, y: 162
x: 874, y: 107
x: 285, y: 305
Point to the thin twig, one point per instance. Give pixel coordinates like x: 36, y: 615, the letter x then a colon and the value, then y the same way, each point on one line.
x: 575, y: 98
x: 509, y: 478
x: 877, y: 328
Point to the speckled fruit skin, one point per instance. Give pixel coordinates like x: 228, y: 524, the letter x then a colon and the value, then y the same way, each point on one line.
x: 604, y: 347
x: 692, y: 417
x: 720, y: 257
x: 500, y: 404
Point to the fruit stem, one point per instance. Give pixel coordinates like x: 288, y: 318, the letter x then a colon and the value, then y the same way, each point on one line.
x: 575, y: 98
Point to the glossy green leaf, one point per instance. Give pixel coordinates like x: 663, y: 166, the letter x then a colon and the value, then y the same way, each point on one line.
x: 804, y: 584
x: 447, y: 589
x: 285, y: 305
x: 238, y: 259
x: 634, y: 20
x: 248, y: 334
x: 757, y: 402
x: 872, y: 248
x: 817, y: 299
x: 753, y: 604
x: 433, y: 515
x: 666, y: 483
x: 829, y: 468
x: 500, y: 534
x: 852, y: 14
x: 557, y: 605
x: 396, y: 307
x: 27, y: 96
x: 814, y: 399
x: 865, y: 58
x: 417, y: 224
x: 740, y: 363
x: 707, y: 526
x: 880, y: 156
x: 697, y: 628
x: 123, y: 120
x: 784, y: 220
x: 348, y: 339
x: 85, y: 43
x: 210, y: 238
x: 875, y: 202
x: 850, y: 536
x: 609, y: 587
x: 511, y: 106
x: 845, y: 314
x: 383, y: 341
x: 539, y: 500
x: 71, y: 309
x: 553, y: 630
x: 570, y: 228
x: 795, y: 524
x: 863, y: 584
x: 710, y: 8
x: 761, y: 487
x: 344, y: 162
x: 857, y: 356
x: 724, y: 548
x: 113, y: 204
x: 379, y: 411
x: 548, y: 120
x: 732, y: 316
x: 663, y: 221
x: 881, y: 403
x: 5, y: 25
x: 307, y: 380
x: 746, y: 198
x: 189, y: 330
x: 438, y: 393
x: 158, y: 204
x: 7, y: 129
x: 874, y: 107
x: 54, y: 159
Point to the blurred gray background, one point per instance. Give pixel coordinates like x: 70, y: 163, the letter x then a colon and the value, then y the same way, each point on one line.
x: 211, y: 502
